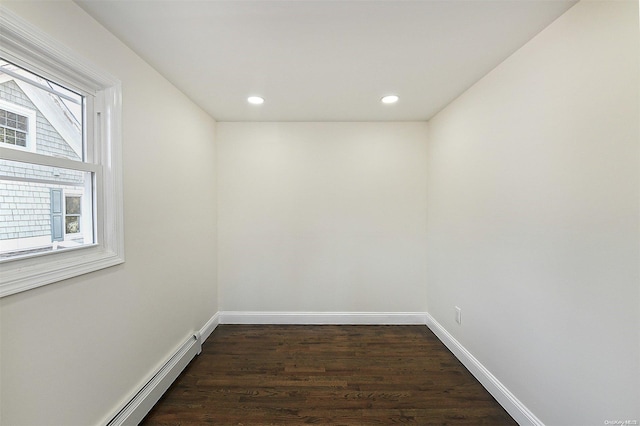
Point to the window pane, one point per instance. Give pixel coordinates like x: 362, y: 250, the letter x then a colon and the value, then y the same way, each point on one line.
x: 57, y: 113
x: 72, y: 205
x: 12, y: 120
x: 21, y: 139
x: 72, y: 224
x: 22, y: 123
x: 10, y: 136
x: 43, y: 208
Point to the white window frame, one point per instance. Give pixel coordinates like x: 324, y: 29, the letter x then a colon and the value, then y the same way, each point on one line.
x: 31, y: 131
x: 29, y: 47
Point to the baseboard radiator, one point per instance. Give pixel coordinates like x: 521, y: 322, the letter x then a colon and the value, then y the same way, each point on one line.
x: 144, y: 400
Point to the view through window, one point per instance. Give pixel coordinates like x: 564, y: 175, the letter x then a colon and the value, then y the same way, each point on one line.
x: 44, y: 205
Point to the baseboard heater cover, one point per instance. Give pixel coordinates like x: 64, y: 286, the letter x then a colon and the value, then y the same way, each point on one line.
x: 144, y: 400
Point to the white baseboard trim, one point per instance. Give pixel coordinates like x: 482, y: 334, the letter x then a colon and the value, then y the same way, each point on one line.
x: 208, y: 328
x: 509, y: 402
x: 320, y: 318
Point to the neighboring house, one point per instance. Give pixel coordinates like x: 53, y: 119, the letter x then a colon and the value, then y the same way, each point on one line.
x: 41, y: 207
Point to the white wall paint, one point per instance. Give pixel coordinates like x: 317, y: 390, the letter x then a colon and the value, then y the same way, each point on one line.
x: 322, y: 217
x: 73, y: 351
x: 533, y: 192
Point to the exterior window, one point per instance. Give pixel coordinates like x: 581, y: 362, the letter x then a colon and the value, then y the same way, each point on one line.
x: 17, y: 122
x: 60, y: 167
x: 72, y: 214
x: 13, y: 128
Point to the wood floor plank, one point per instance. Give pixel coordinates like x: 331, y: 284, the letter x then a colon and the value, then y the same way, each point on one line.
x: 327, y: 375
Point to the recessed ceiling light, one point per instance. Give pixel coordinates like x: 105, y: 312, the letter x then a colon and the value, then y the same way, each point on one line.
x: 256, y: 100
x: 391, y: 99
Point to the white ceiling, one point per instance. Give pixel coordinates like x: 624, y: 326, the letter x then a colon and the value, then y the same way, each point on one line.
x: 325, y: 60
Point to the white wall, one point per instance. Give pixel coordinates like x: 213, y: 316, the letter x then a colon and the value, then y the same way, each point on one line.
x: 71, y: 352
x: 533, y: 218
x: 322, y: 217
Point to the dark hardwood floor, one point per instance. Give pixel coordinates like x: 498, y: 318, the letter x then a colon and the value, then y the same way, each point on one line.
x: 337, y: 375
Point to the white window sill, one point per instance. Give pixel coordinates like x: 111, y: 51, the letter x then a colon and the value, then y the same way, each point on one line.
x: 46, y: 268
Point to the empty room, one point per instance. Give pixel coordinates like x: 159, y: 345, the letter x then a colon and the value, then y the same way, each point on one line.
x: 328, y: 211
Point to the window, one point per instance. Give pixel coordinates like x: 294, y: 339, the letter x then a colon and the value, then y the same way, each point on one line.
x: 60, y: 172
x: 17, y: 124
x: 13, y: 128
x: 72, y: 210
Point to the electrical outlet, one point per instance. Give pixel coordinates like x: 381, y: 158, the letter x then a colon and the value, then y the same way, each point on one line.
x: 458, y: 315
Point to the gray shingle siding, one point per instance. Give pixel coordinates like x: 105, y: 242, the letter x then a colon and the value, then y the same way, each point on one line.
x: 24, y: 216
